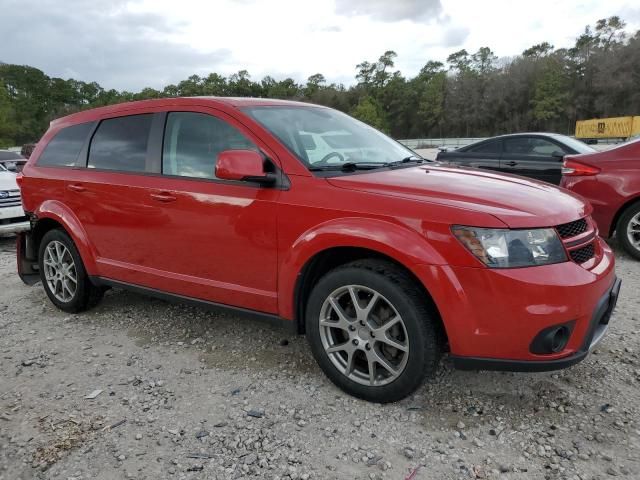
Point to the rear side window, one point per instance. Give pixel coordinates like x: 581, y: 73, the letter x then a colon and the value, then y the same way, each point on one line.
x: 121, y: 144
x: 193, y: 141
x: 486, y: 147
x: 63, y: 149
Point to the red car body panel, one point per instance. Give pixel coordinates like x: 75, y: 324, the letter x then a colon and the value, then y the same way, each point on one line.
x: 244, y: 246
x: 616, y: 185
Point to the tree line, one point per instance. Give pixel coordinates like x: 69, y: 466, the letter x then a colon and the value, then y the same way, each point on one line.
x: 471, y: 95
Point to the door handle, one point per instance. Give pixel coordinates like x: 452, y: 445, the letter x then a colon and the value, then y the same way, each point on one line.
x: 511, y: 163
x: 76, y: 187
x: 163, y: 197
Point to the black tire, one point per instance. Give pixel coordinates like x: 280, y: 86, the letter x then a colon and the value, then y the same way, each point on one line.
x: 621, y: 230
x: 423, y: 331
x: 86, y: 295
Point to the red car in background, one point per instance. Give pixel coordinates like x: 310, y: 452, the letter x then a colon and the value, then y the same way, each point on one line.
x: 610, y: 180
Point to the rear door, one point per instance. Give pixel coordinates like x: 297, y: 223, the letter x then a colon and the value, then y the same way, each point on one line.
x: 533, y: 157
x: 109, y: 194
x: 157, y: 217
x: 485, y: 155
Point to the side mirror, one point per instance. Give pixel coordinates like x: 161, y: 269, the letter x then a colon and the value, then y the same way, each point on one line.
x: 247, y: 165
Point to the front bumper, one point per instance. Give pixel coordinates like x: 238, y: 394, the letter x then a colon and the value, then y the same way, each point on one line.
x: 597, y: 329
x: 14, y: 226
x: 13, y: 220
x: 494, y: 315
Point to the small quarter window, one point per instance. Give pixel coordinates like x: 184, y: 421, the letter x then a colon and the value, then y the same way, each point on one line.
x: 193, y: 141
x: 63, y: 149
x: 121, y: 144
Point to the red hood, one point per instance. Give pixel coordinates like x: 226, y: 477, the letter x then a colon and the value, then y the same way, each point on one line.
x: 516, y: 201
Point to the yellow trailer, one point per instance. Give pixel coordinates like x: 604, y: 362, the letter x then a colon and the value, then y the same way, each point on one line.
x: 635, y: 127
x: 614, y: 127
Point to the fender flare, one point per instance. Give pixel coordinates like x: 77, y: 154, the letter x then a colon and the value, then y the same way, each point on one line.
x: 402, y: 244
x: 59, y: 212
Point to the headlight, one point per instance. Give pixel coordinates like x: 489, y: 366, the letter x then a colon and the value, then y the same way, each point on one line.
x: 503, y: 248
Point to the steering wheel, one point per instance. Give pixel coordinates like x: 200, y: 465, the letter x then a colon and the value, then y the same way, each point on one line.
x: 328, y: 156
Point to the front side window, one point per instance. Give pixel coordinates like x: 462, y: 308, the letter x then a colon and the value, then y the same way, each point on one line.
x: 193, y: 141
x: 575, y: 144
x: 121, y: 144
x: 538, y: 147
x: 322, y: 137
x: 63, y: 149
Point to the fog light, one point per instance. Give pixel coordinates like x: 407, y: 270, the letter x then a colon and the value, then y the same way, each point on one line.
x: 552, y: 339
x: 559, y: 339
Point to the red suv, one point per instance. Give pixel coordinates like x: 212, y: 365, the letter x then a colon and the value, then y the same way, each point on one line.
x: 301, y: 214
x: 610, y: 180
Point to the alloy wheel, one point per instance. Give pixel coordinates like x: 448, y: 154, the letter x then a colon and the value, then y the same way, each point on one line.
x: 60, y: 271
x: 633, y: 231
x: 363, y: 335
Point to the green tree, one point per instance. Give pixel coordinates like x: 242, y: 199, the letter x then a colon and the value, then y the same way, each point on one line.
x: 459, y: 61
x: 537, y: 51
x: 369, y: 112
x: 7, y: 123
x: 550, y: 94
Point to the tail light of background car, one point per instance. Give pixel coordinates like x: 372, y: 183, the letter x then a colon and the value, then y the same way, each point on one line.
x: 573, y: 168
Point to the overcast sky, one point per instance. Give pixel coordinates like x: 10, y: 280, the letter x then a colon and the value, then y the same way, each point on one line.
x: 131, y: 44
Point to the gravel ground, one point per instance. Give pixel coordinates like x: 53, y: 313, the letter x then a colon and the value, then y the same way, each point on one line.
x: 184, y: 393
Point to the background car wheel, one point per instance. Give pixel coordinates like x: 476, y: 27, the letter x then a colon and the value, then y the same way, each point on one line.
x: 628, y: 230
x: 63, y: 275
x: 372, y: 331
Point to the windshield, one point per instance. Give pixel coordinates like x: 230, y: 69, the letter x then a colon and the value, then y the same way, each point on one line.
x: 577, y: 145
x: 2, y: 168
x: 322, y: 137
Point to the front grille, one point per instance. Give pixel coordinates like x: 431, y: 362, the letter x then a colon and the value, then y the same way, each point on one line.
x: 581, y: 255
x: 572, y: 229
x: 10, y: 198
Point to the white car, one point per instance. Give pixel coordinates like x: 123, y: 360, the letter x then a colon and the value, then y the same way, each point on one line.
x: 12, y: 217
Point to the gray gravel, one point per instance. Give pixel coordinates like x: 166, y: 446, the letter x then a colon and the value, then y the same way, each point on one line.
x: 184, y: 393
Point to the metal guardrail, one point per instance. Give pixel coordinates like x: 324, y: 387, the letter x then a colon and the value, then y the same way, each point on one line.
x: 414, y: 143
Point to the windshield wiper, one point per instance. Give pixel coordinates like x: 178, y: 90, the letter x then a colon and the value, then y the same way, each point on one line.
x: 406, y: 160
x: 348, y: 166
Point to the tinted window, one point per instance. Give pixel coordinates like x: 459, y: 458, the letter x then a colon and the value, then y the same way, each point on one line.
x: 486, y: 147
x: 7, y: 155
x: 531, y: 146
x: 63, y: 149
x: 121, y: 144
x: 193, y: 141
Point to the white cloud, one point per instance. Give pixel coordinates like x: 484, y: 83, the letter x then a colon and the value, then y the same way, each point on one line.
x: 390, y: 11
x: 136, y: 43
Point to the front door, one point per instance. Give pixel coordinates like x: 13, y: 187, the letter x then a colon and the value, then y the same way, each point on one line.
x: 533, y: 157
x: 218, y: 240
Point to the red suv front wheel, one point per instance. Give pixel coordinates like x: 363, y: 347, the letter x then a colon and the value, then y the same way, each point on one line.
x: 372, y: 331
